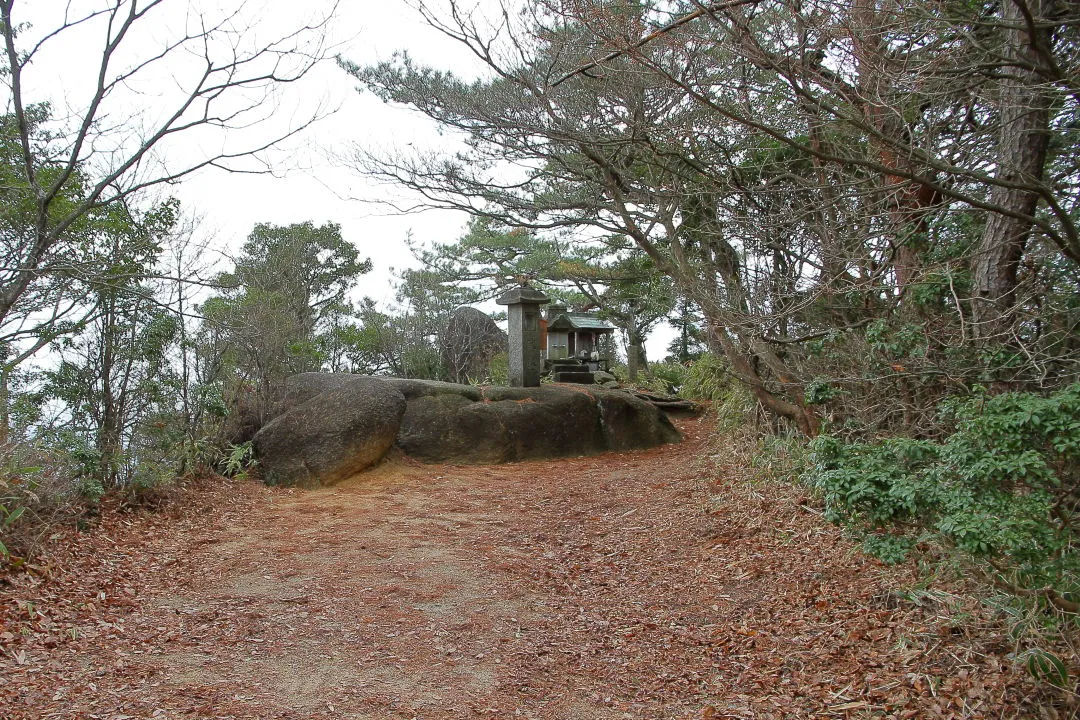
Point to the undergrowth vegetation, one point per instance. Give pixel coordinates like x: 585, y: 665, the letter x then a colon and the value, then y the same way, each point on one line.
x: 44, y: 490
x: 37, y: 489
x: 1002, y: 490
x: 987, y: 512
x: 995, y: 500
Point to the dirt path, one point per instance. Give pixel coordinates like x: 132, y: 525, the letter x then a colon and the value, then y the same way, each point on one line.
x: 620, y: 586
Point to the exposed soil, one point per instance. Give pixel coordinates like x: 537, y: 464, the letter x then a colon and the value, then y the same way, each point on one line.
x: 637, y: 585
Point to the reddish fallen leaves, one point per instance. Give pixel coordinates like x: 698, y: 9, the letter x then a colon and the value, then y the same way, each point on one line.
x: 619, y: 586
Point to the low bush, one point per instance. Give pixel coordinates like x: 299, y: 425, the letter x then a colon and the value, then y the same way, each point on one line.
x: 239, y: 461
x: 44, y: 487
x: 709, y: 379
x: 665, y: 378
x: 999, y: 495
x: 1003, y: 489
x: 37, y: 488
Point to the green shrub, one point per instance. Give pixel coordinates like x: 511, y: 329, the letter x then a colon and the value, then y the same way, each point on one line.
x: 499, y: 370
x: 17, y: 494
x: 666, y: 377
x: 39, y: 489
x: 150, y: 483
x: 10, y: 512
x: 619, y: 370
x: 91, y: 489
x: 240, y: 460
x: 1003, y: 489
x: 709, y: 379
x: 771, y: 457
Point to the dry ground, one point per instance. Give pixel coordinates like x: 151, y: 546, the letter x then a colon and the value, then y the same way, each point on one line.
x: 638, y: 585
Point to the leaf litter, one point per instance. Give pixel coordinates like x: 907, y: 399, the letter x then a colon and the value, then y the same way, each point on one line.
x: 652, y: 584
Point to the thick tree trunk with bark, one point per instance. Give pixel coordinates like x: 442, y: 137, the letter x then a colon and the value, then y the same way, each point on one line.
x: 775, y: 404
x: 1022, y: 145
x: 636, y: 360
x: 907, y: 201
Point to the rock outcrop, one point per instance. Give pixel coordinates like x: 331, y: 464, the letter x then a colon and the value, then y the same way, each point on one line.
x: 470, y: 342
x: 458, y: 423
x: 330, y: 426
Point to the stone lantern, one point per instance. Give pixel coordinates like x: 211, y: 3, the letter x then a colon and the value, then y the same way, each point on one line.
x: 523, y: 320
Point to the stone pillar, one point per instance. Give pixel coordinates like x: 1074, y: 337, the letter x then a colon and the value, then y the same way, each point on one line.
x: 523, y: 320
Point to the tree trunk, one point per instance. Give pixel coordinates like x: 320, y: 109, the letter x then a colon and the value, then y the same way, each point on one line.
x: 1022, y: 145
x: 728, y: 310
x: 804, y: 418
x: 636, y: 361
x: 5, y: 407
x: 907, y: 201
x: 108, y: 432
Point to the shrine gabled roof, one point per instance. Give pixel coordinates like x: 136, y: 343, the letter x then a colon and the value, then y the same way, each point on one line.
x: 580, y: 321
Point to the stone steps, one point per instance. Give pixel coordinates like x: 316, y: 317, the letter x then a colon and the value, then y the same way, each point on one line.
x: 581, y: 377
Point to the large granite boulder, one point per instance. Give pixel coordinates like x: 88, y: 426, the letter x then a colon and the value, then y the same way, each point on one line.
x: 457, y: 423
x: 331, y: 426
x: 328, y: 427
x: 248, y: 413
x: 470, y: 342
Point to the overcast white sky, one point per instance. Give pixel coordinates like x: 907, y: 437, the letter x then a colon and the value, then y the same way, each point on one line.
x: 318, y: 188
